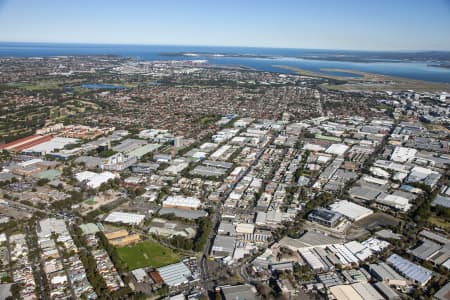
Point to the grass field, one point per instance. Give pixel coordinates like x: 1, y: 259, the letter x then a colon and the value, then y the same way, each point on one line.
x: 439, y: 222
x: 146, y: 254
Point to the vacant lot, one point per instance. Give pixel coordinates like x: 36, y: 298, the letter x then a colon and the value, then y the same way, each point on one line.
x: 379, y: 219
x: 146, y: 254
x: 440, y: 222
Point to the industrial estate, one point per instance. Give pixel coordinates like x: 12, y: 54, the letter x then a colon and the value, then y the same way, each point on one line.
x: 128, y: 179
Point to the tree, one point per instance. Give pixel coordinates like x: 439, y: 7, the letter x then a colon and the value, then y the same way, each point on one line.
x: 42, y: 181
x: 205, y: 227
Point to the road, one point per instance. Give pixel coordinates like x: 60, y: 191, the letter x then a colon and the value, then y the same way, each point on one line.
x: 36, y: 264
x: 19, y: 205
x: 66, y: 268
x: 208, y: 280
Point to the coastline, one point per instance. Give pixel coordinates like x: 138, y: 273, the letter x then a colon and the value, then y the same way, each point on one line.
x: 371, y: 81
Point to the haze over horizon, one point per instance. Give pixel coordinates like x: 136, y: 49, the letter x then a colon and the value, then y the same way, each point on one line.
x: 349, y: 25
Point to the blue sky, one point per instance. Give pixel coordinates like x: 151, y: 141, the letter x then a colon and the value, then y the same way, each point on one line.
x: 318, y: 24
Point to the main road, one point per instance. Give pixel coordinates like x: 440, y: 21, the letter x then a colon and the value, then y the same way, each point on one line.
x: 208, y: 281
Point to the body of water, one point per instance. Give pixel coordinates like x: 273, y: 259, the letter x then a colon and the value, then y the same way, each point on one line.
x: 287, y: 57
x: 98, y: 86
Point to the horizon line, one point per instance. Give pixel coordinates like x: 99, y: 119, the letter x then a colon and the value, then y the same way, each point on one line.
x: 225, y: 46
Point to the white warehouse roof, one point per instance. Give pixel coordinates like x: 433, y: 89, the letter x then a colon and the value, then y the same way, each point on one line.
x: 180, y: 201
x: 245, y: 228
x: 313, y: 147
x: 94, y: 180
x: 395, y: 201
x: 351, y: 210
x: 52, y: 145
x: 337, y: 149
x: 175, y: 274
x: 403, y: 154
x: 125, y: 218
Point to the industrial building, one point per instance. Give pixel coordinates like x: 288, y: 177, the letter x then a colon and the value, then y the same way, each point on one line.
x: 25, y: 143
x: 352, y: 211
x: 55, y: 143
x: 385, y: 273
x: 443, y: 293
x: 417, y: 274
x: 394, y: 201
x: 241, y: 292
x: 358, y: 290
x: 51, y: 225
x: 125, y: 218
x: 183, y: 213
x: 325, y: 217
x: 337, y: 149
x: 175, y: 275
x: 207, y: 171
x: 118, y: 162
x: 94, y: 180
x: 403, y: 154
x: 182, y: 202
x: 386, y: 291
x: 345, y: 292
x: 223, y: 246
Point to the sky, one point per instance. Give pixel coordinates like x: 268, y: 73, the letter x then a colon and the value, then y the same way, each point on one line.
x: 319, y: 24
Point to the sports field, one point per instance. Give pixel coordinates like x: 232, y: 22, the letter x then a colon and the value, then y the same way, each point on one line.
x: 147, y: 253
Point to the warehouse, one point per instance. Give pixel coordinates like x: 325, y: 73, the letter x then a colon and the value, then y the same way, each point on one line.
x: 129, y: 145
x: 403, y: 154
x: 313, y: 260
x: 313, y: 147
x: 125, y: 218
x: 364, y: 193
x: 143, y: 150
x: 51, y: 225
x: 90, y: 162
x: 418, y: 274
x: 208, y: 171
x: 241, y: 292
x: 397, y: 202
x: 223, y: 246
x: 337, y: 149
x: 91, y: 228
x: 386, y: 291
x: 217, y: 164
x: 26, y: 142
x: 443, y: 201
x: 183, y: 213
x: 175, y: 274
x: 367, y: 291
x: 425, y: 250
x: 221, y: 151
x: 56, y: 143
x: 176, y: 167
x: 443, y: 293
x: 434, y: 237
x: 351, y: 210
x: 345, y: 292
x: 385, y: 273
x: 245, y: 228
x: 94, y: 180
x: 182, y: 202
